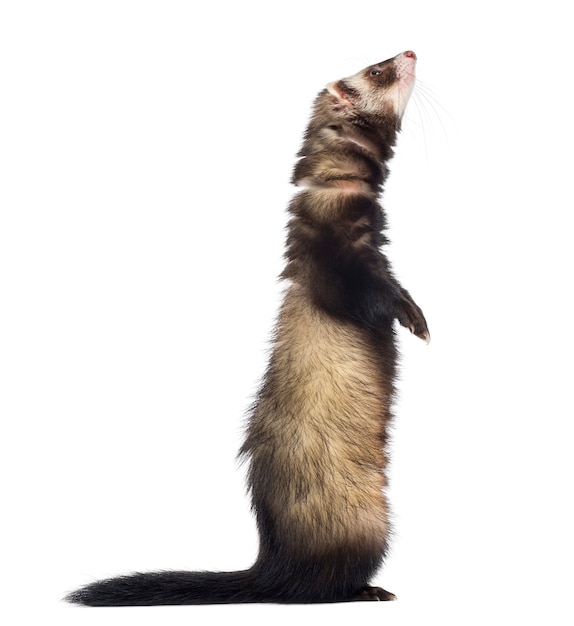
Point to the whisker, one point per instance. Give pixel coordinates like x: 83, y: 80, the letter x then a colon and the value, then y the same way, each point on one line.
x: 431, y: 98
x: 430, y: 110
x: 421, y: 121
x: 426, y: 91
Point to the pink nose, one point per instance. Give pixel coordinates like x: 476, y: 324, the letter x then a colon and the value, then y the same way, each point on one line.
x: 410, y: 54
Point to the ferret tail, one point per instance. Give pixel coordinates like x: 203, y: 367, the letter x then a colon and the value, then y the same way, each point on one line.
x: 163, y: 588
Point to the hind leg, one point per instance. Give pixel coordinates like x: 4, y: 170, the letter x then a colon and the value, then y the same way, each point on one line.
x: 374, y: 593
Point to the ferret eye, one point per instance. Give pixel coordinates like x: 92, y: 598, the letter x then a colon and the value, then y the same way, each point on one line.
x: 375, y: 72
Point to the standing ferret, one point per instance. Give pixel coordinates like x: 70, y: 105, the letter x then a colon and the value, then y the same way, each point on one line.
x: 316, y: 441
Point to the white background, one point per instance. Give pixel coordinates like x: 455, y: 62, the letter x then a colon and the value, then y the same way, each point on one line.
x: 146, y: 150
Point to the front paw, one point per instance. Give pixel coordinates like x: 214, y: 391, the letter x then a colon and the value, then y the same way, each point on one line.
x: 411, y: 316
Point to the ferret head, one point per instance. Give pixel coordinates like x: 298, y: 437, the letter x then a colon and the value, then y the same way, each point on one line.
x: 380, y: 89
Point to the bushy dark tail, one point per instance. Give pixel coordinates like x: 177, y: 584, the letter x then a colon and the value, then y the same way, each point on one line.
x: 342, y: 576
x: 162, y: 588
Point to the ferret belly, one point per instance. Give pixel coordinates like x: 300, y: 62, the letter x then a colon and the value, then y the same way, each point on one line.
x: 324, y: 427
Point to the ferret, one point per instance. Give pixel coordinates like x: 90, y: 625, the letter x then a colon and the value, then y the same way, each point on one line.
x: 317, y: 436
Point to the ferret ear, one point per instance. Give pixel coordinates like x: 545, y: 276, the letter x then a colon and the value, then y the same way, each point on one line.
x: 342, y: 93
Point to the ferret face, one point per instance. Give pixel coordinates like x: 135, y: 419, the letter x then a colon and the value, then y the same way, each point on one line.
x: 383, y: 88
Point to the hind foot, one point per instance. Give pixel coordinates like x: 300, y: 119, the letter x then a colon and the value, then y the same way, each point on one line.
x: 375, y: 593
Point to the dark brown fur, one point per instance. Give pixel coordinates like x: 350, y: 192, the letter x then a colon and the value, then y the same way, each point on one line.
x: 317, y: 437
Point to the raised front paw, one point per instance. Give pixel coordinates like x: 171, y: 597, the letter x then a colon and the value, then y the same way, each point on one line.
x: 411, y: 316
